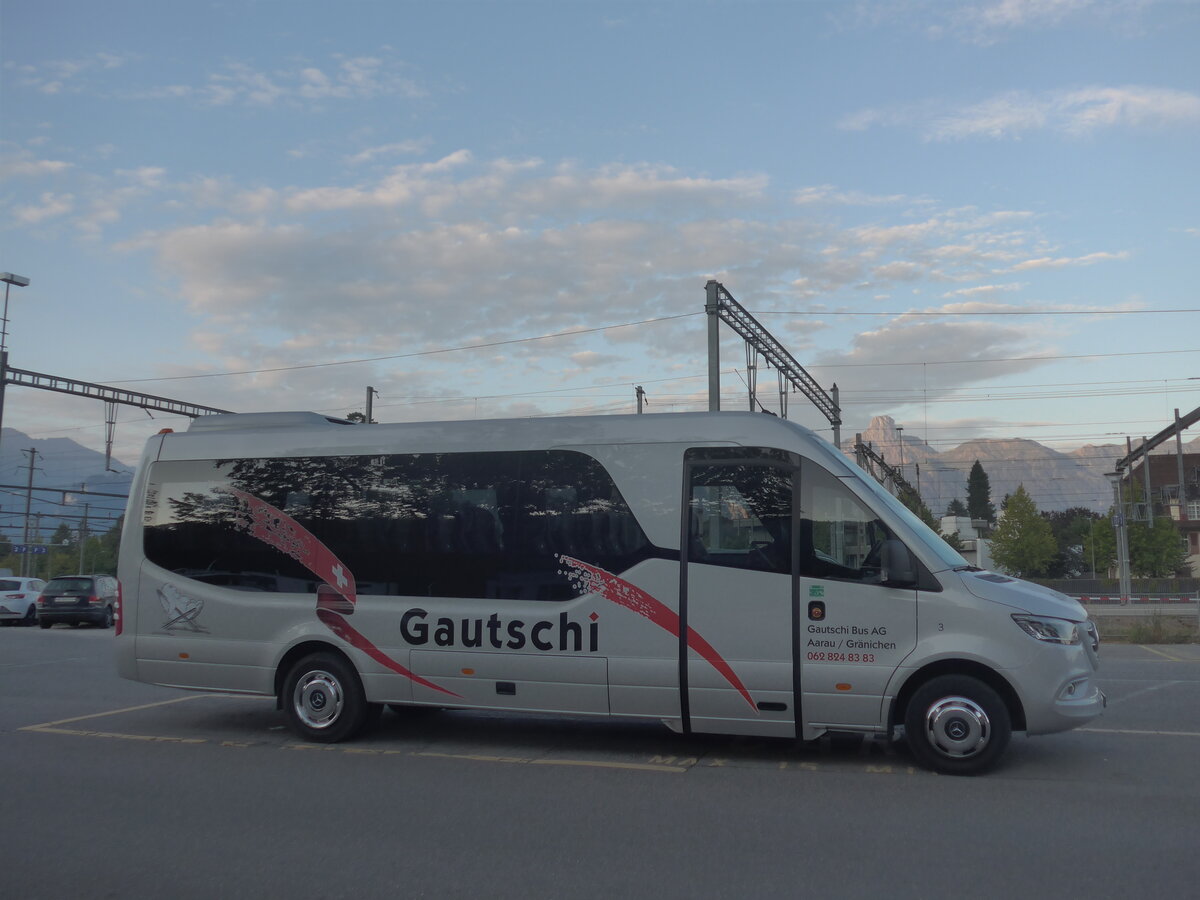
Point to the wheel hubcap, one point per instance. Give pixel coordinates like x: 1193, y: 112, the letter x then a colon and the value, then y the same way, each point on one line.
x: 957, y: 727
x: 318, y: 699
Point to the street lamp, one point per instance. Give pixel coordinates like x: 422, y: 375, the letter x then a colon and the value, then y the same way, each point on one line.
x: 9, y: 280
x: 900, y: 438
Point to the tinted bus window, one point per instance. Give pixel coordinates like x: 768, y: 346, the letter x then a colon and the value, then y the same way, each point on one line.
x: 740, y: 515
x: 428, y: 525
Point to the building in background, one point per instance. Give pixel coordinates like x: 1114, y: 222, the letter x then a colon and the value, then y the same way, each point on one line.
x: 976, y: 549
x: 1168, y: 497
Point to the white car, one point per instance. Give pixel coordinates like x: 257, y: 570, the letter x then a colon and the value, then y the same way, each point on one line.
x: 18, y: 600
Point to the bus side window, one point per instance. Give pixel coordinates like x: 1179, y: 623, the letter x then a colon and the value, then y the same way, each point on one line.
x: 739, y: 515
x: 840, y: 538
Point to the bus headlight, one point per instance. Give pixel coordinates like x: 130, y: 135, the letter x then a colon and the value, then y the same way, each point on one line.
x: 1056, y: 631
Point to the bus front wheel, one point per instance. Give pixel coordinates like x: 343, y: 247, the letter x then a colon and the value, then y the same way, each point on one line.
x: 323, y: 699
x: 957, y: 725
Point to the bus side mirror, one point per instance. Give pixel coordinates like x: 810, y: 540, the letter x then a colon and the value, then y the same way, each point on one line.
x: 899, y: 565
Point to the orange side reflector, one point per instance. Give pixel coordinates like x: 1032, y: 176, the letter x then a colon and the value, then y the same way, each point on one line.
x: 183, y: 656
x: 167, y: 431
x: 842, y: 686
x: 468, y: 671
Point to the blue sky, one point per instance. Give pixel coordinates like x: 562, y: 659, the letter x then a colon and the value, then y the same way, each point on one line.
x: 967, y: 215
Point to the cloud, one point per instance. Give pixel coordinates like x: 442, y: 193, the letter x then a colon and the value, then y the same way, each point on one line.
x: 1062, y: 262
x: 828, y: 194
x: 21, y: 164
x: 1071, y: 113
x: 456, y: 251
x: 64, y: 75
x: 910, y: 354
x: 437, y: 188
x: 983, y: 290
x: 50, y: 206
x: 345, y: 78
x: 405, y: 148
x: 1019, y: 13
x: 986, y: 22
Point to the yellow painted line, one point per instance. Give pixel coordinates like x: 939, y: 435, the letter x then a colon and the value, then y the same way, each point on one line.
x: 1162, y: 654
x: 1136, y: 731
x: 472, y: 757
x: 603, y: 764
x: 44, y: 726
x: 882, y: 768
x: 150, y: 738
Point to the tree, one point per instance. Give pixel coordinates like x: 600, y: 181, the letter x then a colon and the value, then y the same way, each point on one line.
x: 979, y: 495
x: 912, y: 500
x: 1072, y: 529
x: 1100, y: 545
x: 957, y: 508
x: 1158, y: 552
x: 1023, y: 543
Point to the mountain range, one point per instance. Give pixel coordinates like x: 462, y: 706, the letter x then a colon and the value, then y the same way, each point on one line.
x: 1055, y: 480
x: 65, y: 474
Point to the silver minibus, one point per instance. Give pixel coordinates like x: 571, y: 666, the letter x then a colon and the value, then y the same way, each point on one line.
x: 722, y: 572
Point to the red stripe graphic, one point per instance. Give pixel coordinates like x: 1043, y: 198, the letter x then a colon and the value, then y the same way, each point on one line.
x: 337, y: 595
x: 337, y: 623
x: 590, y: 579
x: 275, y: 527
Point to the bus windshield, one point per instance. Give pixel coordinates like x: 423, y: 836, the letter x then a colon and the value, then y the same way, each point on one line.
x: 932, y: 541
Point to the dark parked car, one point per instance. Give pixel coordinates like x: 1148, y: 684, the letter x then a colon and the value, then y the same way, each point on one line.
x: 79, y: 598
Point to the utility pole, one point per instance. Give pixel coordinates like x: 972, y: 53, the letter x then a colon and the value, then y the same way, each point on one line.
x: 1146, y: 482
x: 720, y: 306
x: 1183, y: 516
x: 83, y: 531
x: 37, y: 536
x: 1122, y: 527
x: 33, y: 454
x: 712, y: 308
x: 641, y: 398
x: 371, y: 392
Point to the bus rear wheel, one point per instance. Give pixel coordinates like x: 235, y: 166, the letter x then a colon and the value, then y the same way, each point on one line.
x: 957, y: 725
x: 323, y: 699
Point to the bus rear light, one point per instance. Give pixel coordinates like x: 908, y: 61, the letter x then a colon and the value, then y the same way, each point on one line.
x: 118, y: 610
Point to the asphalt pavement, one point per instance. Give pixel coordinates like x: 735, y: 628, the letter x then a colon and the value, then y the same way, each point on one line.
x: 119, y: 789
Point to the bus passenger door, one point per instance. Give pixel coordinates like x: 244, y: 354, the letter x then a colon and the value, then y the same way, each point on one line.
x: 737, y: 603
x: 854, y: 629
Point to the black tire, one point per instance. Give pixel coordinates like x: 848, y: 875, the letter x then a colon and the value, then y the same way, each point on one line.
x: 30, y: 617
x: 42, y: 623
x: 323, y: 699
x: 957, y: 725
x: 107, y: 621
